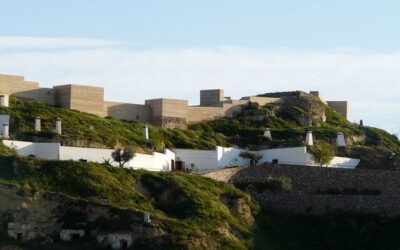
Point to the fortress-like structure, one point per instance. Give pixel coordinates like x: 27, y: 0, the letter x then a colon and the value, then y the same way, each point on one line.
x: 168, y: 113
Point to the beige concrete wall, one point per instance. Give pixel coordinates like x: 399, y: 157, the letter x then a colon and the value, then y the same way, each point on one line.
x: 17, y: 86
x: 169, y: 113
x: 211, y: 97
x: 198, y: 114
x: 128, y: 111
x: 42, y: 95
x: 10, y: 84
x: 79, y: 97
x: 339, y: 106
x: 87, y: 99
x: 63, y: 96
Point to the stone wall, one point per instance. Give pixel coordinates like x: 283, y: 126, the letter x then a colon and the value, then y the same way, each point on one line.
x: 224, y: 174
x: 198, y: 113
x: 79, y: 97
x: 211, y: 97
x: 317, y: 190
x: 128, y: 111
x: 169, y: 113
x: 17, y: 86
x: 339, y: 106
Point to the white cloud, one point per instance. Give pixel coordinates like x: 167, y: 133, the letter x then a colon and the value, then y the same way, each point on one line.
x: 368, y: 80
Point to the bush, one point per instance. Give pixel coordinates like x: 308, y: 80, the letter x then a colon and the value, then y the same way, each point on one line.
x: 254, y: 157
x: 274, y: 184
x: 322, y: 153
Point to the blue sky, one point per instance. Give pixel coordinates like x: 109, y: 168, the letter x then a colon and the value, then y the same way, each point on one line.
x: 311, y: 24
x: 347, y: 49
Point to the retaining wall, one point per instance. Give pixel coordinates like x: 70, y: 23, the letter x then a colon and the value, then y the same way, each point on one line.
x: 317, y: 190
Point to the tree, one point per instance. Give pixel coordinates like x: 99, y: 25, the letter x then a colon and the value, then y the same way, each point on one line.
x: 122, y: 156
x: 322, y: 153
x: 254, y: 157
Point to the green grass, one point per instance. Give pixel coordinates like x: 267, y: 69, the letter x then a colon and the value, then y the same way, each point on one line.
x: 185, y: 204
x: 85, y: 129
x: 82, y: 129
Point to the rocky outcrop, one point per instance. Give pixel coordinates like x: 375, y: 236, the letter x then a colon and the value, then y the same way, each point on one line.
x: 304, y: 109
x: 44, y: 216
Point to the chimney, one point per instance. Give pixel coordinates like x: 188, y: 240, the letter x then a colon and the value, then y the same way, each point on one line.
x: 146, y: 132
x: 267, y: 134
x: 309, y: 139
x: 3, y: 101
x: 6, y: 131
x: 340, y: 140
x: 58, y: 126
x: 38, y: 126
x: 146, y: 218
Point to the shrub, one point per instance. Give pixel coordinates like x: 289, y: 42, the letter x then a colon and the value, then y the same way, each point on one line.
x: 122, y: 156
x: 275, y: 184
x: 254, y: 157
x: 322, y: 153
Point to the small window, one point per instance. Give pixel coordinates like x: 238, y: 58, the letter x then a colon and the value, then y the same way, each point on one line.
x: 137, y: 117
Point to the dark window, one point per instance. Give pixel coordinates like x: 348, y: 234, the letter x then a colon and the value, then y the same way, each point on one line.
x: 75, y: 236
x: 124, y: 244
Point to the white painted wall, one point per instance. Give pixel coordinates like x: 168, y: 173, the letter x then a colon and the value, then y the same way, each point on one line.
x: 223, y: 157
x: 291, y: 156
x: 343, y: 162
x: 89, y: 154
x: 230, y: 157
x: 48, y: 151
x: 53, y: 151
x: 202, y: 159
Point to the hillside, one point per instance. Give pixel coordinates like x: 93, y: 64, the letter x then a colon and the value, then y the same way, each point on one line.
x: 288, y: 121
x: 82, y: 129
x: 186, y: 210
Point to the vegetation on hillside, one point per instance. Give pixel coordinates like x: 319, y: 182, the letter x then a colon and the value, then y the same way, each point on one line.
x: 245, y: 130
x: 82, y: 129
x: 194, y: 205
x: 322, y: 153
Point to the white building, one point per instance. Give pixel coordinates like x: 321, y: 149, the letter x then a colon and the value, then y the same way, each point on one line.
x: 198, y: 160
x: 204, y: 160
x: 54, y: 151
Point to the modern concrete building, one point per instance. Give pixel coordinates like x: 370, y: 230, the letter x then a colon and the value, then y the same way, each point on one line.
x: 168, y: 113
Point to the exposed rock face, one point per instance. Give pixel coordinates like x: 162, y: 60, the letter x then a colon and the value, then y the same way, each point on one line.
x: 306, y: 110
x: 46, y: 216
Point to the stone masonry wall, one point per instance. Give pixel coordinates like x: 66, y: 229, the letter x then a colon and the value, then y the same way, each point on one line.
x: 317, y: 190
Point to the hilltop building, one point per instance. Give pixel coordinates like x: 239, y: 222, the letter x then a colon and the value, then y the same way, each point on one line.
x: 168, y: 113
